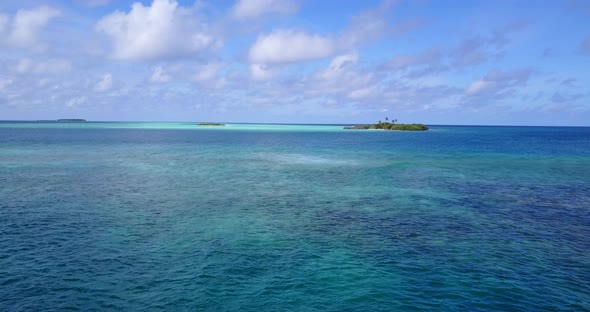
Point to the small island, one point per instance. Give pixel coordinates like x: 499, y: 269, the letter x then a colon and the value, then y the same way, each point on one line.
x: 71, y: 120
x: 390, y: 126
x: 211, y: 124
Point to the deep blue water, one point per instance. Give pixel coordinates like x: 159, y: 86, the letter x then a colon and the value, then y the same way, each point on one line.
x: 136, y: 216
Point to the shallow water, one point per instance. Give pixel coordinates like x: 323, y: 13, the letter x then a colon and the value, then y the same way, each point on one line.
x: 168, y: 216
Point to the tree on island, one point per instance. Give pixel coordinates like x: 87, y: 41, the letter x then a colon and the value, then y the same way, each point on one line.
x: 391, y: 126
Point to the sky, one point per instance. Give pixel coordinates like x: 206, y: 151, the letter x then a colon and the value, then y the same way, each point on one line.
x: 464, y: 62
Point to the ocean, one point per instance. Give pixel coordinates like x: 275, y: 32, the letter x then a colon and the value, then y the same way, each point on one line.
x: 172, y: 216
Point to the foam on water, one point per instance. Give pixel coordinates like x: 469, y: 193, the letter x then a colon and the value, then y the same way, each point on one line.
x: 303, y: 159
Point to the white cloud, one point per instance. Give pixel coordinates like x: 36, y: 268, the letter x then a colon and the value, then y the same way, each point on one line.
x: 24, y: 65
x: 339, y: 67
x: 104, y: 84
x: 207, y: 72
x: 159, y: 75
x: 288, y: 46
x: 479, y: 86
x: 244, y: 9
x: 262, y: 72
x: 77, y: 101
x: 161, y: 30
x: 23, y: 28
x: 366, y: 26
x: 342, y: 78
x: 51, y: 66
x: 362, y: 93
x: 497, y: 84
x: 343, y: 60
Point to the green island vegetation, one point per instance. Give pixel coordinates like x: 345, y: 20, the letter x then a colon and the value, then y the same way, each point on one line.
x: 210, y: 124
x: 387, y: 125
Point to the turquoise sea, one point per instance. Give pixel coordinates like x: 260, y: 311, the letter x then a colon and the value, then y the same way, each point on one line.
x: 171, y: 216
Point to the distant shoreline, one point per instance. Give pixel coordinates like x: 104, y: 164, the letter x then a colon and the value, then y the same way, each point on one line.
x: 63, y: 120
x: 210, y: 124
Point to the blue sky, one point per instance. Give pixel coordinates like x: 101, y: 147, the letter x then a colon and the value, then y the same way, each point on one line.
x: 436, y: 62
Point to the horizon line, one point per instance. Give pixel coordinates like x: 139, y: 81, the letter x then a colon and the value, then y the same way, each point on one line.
x: 282, y: 123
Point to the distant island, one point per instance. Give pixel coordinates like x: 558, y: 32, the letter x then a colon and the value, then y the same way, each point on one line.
x: 71, y: 120
x: 210, y: 124
x: 63, y: 120
x: 390, y: 126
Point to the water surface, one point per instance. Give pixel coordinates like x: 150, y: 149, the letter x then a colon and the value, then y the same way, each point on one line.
x: 169, y: 216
